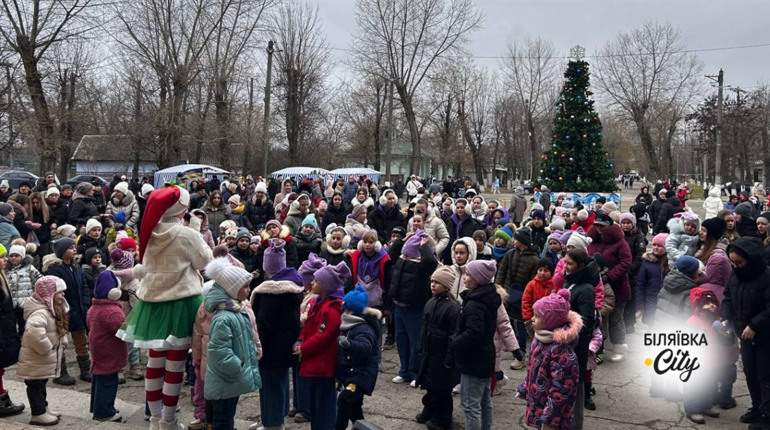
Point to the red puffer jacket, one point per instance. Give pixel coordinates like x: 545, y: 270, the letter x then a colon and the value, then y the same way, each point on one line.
x: 319, y: 339
x: 617, y: 257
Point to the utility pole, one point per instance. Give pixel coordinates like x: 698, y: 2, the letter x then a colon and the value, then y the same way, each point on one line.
x: 718, y: 159
x: 266, y: 121
x: 389, y: 143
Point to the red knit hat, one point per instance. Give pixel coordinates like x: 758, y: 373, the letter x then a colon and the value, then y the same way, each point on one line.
x: 165, y: 202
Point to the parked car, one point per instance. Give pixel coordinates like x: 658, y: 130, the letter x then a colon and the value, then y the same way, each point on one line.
x: 16, y: 177
x: 86, y: 178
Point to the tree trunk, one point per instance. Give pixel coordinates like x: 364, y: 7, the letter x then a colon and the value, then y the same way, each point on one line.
x: 378, y: 114
x: 414, y: 133
x: 475, y: 149
x: 293, y: 112
x: 667, y: 158
x: 766, y: 151
x: 40, y: 105
x: 646, y: 139
x: 533, y: 143
x: 222, y: 112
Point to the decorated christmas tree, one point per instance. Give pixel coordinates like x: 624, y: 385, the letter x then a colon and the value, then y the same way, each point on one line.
x: 576, y: 159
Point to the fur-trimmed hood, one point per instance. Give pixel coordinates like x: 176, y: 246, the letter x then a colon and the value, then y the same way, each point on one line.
x: 128, y: 198
x: 277, y: 287
x: 648, y: 256
x: 51, y: 260
x: 470, y: 244
x: 351, y: 320
x: 566, y: 335
x: 367, y: 203
x: 284, y: 235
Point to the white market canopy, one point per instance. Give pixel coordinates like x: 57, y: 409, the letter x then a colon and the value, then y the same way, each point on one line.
x: 345, y: 173
x: 299, y: 172
x: 188, y: 172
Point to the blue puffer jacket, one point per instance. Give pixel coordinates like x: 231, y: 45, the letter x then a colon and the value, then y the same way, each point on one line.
x: 231, y: 361
x: 360, y: 363
x: 7, y: 232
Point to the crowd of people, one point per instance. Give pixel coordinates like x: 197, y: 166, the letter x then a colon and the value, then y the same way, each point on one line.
x: 293, y: 288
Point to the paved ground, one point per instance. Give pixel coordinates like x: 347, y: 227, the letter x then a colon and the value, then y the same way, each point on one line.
x: 621, y: 398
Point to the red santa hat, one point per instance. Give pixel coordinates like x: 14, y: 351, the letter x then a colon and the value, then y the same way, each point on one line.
x: 163, y: 203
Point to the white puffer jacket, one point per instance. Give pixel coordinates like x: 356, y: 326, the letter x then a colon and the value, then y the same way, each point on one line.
x: 41, y: 346
x: 713, y: 203
x: 21, y: 280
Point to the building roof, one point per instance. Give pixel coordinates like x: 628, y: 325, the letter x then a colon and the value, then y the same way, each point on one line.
x: 106, y: 147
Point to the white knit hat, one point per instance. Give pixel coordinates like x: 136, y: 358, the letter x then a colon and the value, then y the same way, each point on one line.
x: 18, y: 250
x: 235, y: 198
x: 52, y: 191
x: 122, y: 187
x: 260, y: 188
x: 147, y: 189
x: 231, y: 278
x: 92, y: 224
x: 579, y: 241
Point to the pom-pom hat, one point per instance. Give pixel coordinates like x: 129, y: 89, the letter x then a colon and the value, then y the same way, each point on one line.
x: 356, y: 300
x: 231, y: 278
x: 163, y: 203
x: 107, y: 286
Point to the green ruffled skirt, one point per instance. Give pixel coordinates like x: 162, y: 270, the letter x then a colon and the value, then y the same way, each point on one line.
x: 161, y: 325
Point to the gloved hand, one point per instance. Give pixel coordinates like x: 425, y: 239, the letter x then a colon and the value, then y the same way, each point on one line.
x: 605, y: 279
x: 343, y: 342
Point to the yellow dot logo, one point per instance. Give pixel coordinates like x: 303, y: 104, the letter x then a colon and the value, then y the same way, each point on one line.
x: 648, y: 362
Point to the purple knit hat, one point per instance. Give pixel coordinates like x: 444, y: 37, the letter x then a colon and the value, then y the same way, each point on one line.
x: 310, y: 266
x: 412, y: 246
x: 122, y: 259
x: 556, y: 235
x: 553, y: 309
x: 275, y: 257
x: 332, y: 279
x: 482, y: 271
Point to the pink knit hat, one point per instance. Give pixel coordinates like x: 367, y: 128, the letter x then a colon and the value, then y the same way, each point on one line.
x: 122, y: 259
x: 553, y: 309
x: 628, y: 216
x: 660, y: 239
x: 482, y: 271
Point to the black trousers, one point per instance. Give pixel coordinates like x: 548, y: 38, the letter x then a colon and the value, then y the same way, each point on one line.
x: 37, y: 395
x: 437, y: 407
x: 349, y: 408
x: 755, y: 359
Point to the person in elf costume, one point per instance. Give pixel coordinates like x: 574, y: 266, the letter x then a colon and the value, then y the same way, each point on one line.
x: 170, y: 292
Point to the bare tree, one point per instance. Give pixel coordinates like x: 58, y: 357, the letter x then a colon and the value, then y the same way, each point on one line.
x: 473, y: 91
x: 402, y: 40
x: 530, y: 69
x: 31, y: 28
x: 302, y: 59
x: 647, y: 73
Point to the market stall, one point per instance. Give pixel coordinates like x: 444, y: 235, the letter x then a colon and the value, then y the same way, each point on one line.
x: 186, y: 173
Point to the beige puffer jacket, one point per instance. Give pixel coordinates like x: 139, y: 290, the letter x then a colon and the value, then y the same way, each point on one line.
x: 41, y: 346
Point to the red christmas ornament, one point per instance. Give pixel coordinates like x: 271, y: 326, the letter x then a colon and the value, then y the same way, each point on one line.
x: 563, y: 155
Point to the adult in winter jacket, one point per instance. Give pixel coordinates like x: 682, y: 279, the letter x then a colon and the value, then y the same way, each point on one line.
x: 350, y: 190
x: 123, y: 200
x: 412, y: 187
x: 275, y: 303
x: 336, y: 212
x: 671, y: 206
x: 746, y: 306
x: 387, y: 216
x: 644, y: 196
x: 518, y: 206
x: 82, y: 207
x: 637, y: 244
x: 57, y: 209
x: 432, y: 224
x: 297, y: 212
x: 462, y: 223
x: 10, y: 340
x: 259, y: 209
x: 713, y: 203
x: 607, y: 240
x: 217, y: 211
x: 711, y: 253
x: 8, y: 231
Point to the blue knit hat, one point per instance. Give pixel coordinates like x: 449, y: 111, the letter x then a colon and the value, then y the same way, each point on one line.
x: 356, y: 300
x: 504, y: 233
x: 538, y: 213
x: 688, y: 265
x: 120, y: 217
x: 310, y: 220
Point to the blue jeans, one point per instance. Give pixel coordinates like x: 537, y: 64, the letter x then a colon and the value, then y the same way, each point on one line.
x: 726, y: 376
x: 224, y: 413
x: 521, y: 335
x: 408, y: 324
x: 301, y: 398
x: 476, y: 401
x: 323, y: 402
x: 274, y: 395
x: 104, y: 389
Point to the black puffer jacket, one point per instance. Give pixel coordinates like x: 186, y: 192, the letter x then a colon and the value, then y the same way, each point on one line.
x: 474, y: 346
x: 359, y: 364
x: 410, y: 281
x: 581, y: 286
x: 82, y: 209
x: 637, y: 243
x: 257, y: 212
x: 334, y: 215
x: 246, y: 257
x: 747, y: 296
x: 276, y: 308
x: 383, y: 221
x: 670, y: 207
x: 10, y: 341
x: 439, y: 321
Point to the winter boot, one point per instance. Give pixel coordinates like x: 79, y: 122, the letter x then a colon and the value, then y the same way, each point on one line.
x: 8, y: 408
x: 84, y: 362
x: 619, y: 353
x: 45, y: 419
x: 64, y: 377
x: 171, y: 425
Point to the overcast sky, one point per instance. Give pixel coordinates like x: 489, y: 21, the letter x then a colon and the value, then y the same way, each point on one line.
x: 704, y: 24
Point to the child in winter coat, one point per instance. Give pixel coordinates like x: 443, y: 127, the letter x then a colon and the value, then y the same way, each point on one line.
x: 308, y: 238
x: 717, y: 357
x: 370, y: 266
x: 358, y: 356
x: 713, y: 203
x: 93, y: 238
x: 118, y: 225
x: 92, y: 267
x: 540, y: 286
x: 42, y: 346
x: 503, y: 238
x: 483, y: 250
x: 231, y: 357
x: 122, y: 266
x: 473, y: 346
x: 637, y: 243
x: 335, y: 247
x: 108, y: 353
x: 593, y: 351
x: 317, y: 345
x: 553, y: 249
x: 21, y: 275
x: 649, y: 280
x: 683, y: 236
x: 552, y: 376
x: 504, y: 337
x: 438, y: 374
